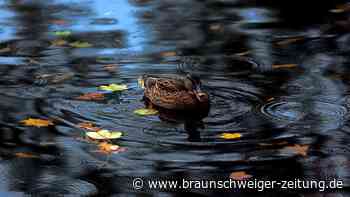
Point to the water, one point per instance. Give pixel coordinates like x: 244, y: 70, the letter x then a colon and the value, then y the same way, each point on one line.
x: 231, y: 45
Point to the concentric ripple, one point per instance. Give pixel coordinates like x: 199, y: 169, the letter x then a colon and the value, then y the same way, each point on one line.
x: 325, y: 115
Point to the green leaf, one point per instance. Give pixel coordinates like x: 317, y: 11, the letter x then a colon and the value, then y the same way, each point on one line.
x: 80, y: 44
x: 104, y: 134
x: 114, y: 87
x: 146, y: 112
x: 62, y: 33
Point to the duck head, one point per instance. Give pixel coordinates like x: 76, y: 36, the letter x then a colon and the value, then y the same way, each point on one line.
x: 201, y: 96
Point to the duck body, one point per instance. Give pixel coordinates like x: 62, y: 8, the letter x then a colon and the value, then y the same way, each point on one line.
x: 173, y: 92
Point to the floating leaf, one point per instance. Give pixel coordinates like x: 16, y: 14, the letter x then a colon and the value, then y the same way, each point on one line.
x: 26, y: 155
x: 240, y: 175
x: 110, y: 67
x: 93, y: 96
x: 146, y: 112
x: 274, y: 144
x: 58, y: 42
x: 59, y: 22
x: 270, y: 99
x: 80, y: 44
x: 277, y: 66
x: 104, y: 134
x: 62, y: 33
x: 114, y: 87
x: 289, y: 41
x: 109, y: 148
x: 37, y: 122
x: 88, y: 126
x: 168, y: 54
x: 298, y: 149
x: 215, y: 27
x: 230, y: 136
x: 243, y: 53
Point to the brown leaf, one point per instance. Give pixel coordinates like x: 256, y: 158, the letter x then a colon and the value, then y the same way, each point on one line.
x: 243, y: 53
x: 240, y: 175
x: 5, y: 50
x: 278, y: 66
x: 88, y: 126
x: 168, y: 54
x: 93, y: 96
x: 289, y: 41
x: 299, y: 149
x: 37, y: 122
x: 26, y: 155
x: 59, y: 22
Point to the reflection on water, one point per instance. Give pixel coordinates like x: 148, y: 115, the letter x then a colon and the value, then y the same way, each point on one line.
x: 234, y: 46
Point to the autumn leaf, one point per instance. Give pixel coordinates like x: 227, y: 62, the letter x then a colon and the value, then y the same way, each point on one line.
x: 270, y: 99
x: 62, y: 33
x: 108, y: 148
x: 298, y: 149
x: 274, y: 144
x: 114, y: 87
x: 146, y: 112
x: 110, y: 67
x: 37, y: 122
x: 289, y: 41
x: 278, y: 66
x: 229, y: 136
x: 26, y: 155
x: 80, y: 44
x: 215, y: 27
x: 88, y: 126
x: 93, y: 96
x: 58, y: 42
x: 59, y: 22
x: 240, y: 175
x: 104, y: 134
x: 243, y: 53
x: 168, y: 54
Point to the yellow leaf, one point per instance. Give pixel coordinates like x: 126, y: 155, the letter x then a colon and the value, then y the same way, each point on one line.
x: 59, y: 42
x: 240, y: 175
x: 230, y: 135
x: 299, y: 149
x: 37, y: 122
x: 80, y: 44
x: 114, y: 87
x: 104, y: 134
x: 277, y: 66
x: 146, y: 112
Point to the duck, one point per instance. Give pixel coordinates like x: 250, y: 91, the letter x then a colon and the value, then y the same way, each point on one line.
x: 175, y: 92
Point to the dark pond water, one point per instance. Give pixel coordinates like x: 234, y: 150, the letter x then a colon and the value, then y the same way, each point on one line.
x: 276, y: 72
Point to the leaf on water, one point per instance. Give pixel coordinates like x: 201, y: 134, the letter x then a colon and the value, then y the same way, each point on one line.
x: 168, y: 54
x: 92, y: 96
x: 215, y: 27
x: 230, y: 136
x: 146, y: 112
x: 270, y: 99
x: 59, y: 22
x: 26, y: 155
x: 289, y: 41
x: 240, y: 175
x: 298, y: 149
x: 80, y: 44
x: 37, y: 122
x: 114, y: 87
x: 243, y: 53
x: 88, y: 126
x: 58, y: 42
x: 108, y: 148
x: 63, y: 33
x: 274, y: 144
x: 278, y: 66
x: 104, y: 134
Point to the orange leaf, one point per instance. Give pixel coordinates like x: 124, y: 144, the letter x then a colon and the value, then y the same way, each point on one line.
x: 299, y: 149
x: 37, y: 122
x: 93, y: 96
x: 105, y: 147
x: 168, y: 54
x: 240, y: 175
x: 26, y: 155
x: 277, y: 66
x: 88, y: 126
